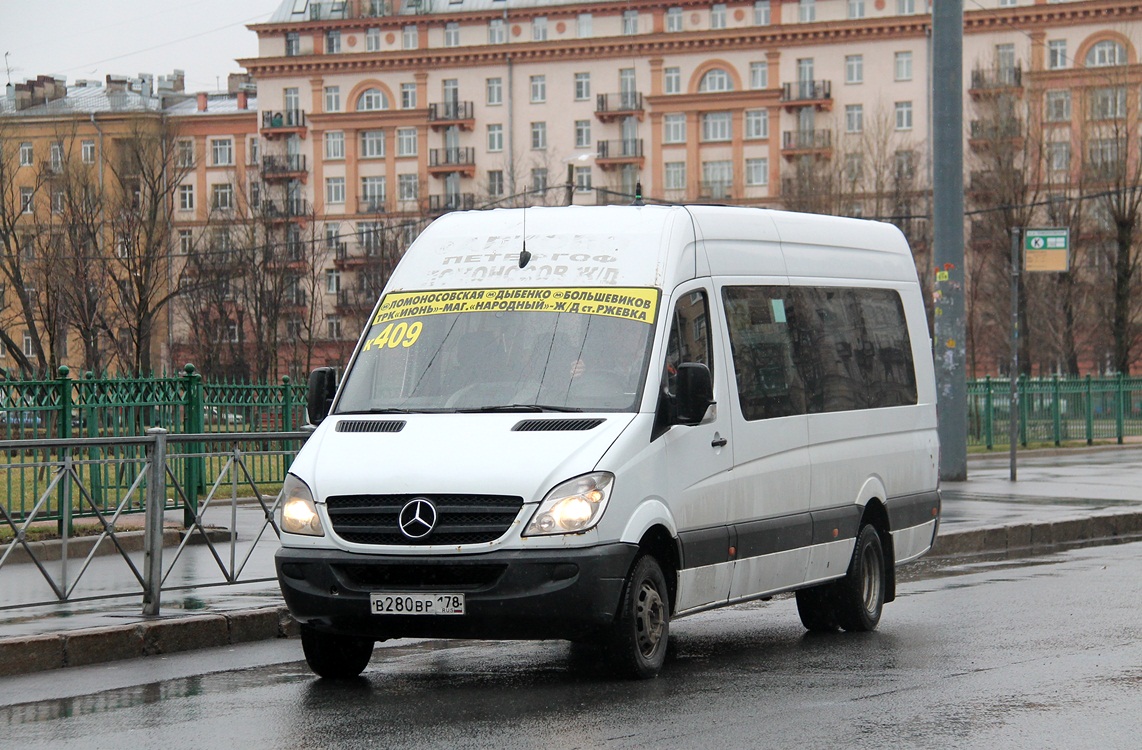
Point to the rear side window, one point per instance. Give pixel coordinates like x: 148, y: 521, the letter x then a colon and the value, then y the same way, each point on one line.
x: 810, y: 350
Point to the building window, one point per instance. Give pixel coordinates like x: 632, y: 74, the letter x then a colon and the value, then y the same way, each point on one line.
x: 756, y: 172
x: 333, y: 327
x: 373, y: 40
x: 185, y: 242
x: 334, y: 144
x: 582, y: 179
x: 372, y: 144
x: 87, y: 152
x: 539, y: 29
x: 674, y: 18
x: 184, y: 153
x: 1007, y: 3
x: 674, y: 128
x: 332, y: 281
x: 292, y: 44
x: 186, y: 197
x: 716, y: 80
x: 1059, y: 156
x: 718, y: 16
x: 332, y: 42
x: 332, y: 98
x: 758, y: 75
x: 538, y: 89
x: 854, y: 118
x: 495, y: 89
x: 905, y: 7
x: 856, y: 8
x: 903, y: 115
x: 582, y: 86
x: 756, y: 123
x: 584, y: 25
x: 408, y: 96
x: 255, y: 194
x: 29, y: 349
x: 716, y: 126
x: 57, y: 201
x: 495, y: 183
x: 674, y: 175
x: 497, y: 33
x: 222, y: 152
x: 630, y: 22
x: 410, y: 37
x: 539, y: 135
x: 582, y: 134
x: 1058, y: 106
x: 854, y: 68
x: 672, y: 80
x: 27, y: 196
x: 409, y: 187
x: 406, y: 142
x: 222, y: 197
x: 1108, y: 103
x: 27, y: 155
x: 806, y: 11
x: 905, y: 165
x: 1057, y: 54
x: 372, y: 100
x: 718, y: 176
x: 452, y: 34
x: 904, y: 66
x: 539, y: 179
x: 1106, y: 54
x: 761, y: 13
x: 495, y: 137
x: 334, y: 189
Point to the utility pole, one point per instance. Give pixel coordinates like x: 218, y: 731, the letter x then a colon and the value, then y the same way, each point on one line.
x: 948, y: 235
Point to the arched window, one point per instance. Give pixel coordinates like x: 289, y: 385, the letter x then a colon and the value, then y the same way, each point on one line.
x: 716, y: 80
x: 1106, y: 53
x: 372, y: 99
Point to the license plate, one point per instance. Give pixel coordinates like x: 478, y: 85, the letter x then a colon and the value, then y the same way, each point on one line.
x: 417, y: 604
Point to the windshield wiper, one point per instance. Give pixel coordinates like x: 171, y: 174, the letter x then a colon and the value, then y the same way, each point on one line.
x: 518, y: 407
x: 392, y: 411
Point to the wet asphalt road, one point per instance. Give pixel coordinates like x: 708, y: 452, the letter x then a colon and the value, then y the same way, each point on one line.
x: 1038, y: 653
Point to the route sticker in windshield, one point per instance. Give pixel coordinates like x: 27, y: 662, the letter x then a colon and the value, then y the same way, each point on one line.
x: 630, y: 303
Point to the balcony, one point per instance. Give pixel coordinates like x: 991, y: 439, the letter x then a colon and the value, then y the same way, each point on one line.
x: 618, y: 153
x: 817, y: 143
x: 441, y: 161
x: 283, y: 123
x: 986, y: 134
x: 356, y: 300
x: 818, y: 94
x: 715, y: 190
x: 446, y: 114
x: 612, y: 107
x: 439, y: 204
x: 286, y: 167
x: 372, y: 204
x: 287, y: 210
x: 994, y: 81
x: 340, y: 10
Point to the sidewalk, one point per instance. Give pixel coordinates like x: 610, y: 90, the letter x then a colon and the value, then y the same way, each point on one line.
x: 1065, y: 497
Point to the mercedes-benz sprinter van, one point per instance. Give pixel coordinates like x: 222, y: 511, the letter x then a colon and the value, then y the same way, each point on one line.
x: 585, y: 422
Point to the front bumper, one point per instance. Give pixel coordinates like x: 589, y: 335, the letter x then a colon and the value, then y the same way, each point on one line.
x: 565, y: 593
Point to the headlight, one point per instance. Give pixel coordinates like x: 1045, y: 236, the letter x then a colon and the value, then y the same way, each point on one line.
x: 576, y: 505
x: 299, y: 514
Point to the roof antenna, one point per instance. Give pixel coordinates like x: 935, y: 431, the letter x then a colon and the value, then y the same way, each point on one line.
x: 638, y: 195
x: 524, y: 255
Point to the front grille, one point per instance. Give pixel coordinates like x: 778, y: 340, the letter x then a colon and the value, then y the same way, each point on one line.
x: 370, y: 425
x: 461, y: 519
x: 454, y: 576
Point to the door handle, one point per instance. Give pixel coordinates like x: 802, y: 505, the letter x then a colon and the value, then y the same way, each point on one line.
x: 718, y: 441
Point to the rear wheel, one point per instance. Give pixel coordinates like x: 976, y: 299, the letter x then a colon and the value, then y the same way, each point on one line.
x: 860, y: 594
x: 336, y: 657
x: 636, y: 643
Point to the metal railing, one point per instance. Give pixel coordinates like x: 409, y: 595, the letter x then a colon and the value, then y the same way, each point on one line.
x: 155, y: 484
x: 1055, y: 410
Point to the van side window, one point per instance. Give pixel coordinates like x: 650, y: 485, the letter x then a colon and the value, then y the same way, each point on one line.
x: 689, y: 341
x: 809, y: 350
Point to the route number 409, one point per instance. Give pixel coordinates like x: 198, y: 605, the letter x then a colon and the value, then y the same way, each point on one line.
x: 392, y: 336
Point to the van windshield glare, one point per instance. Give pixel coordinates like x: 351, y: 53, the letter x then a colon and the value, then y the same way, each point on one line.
x: 462, y: 351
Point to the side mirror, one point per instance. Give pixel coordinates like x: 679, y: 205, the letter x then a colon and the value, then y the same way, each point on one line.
x: 695, y: 392
x: 322, y: 387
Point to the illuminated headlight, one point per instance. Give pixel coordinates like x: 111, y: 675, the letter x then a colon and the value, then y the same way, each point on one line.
x: 299, y: 514
x: 574, y: 506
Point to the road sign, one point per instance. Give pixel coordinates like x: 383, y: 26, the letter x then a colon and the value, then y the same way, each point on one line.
x: 1047, y: 250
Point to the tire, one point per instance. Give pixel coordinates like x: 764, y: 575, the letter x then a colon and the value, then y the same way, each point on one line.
x: 860, y: 594
x: 815, y: 607
x: 335, y: 657
x: 636, y: 643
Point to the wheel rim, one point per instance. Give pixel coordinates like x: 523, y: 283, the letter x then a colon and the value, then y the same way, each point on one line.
x: 871, y: 573
x: 650, y: 619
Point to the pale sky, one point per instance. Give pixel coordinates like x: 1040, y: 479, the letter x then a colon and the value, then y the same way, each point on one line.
x: 91, y: 38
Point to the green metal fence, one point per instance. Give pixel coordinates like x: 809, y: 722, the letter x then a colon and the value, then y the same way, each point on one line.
x: 1055, y: 410
x: 91, y: 407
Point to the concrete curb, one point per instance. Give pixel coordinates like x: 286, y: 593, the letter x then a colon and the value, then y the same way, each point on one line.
x: 165, y: 635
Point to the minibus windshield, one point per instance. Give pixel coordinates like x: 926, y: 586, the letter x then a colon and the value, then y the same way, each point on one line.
x: 540, y: 349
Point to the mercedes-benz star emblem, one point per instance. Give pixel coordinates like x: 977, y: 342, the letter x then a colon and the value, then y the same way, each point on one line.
x: 417, y: 518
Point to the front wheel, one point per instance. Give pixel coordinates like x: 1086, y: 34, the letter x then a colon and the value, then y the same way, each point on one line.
x: 860, y: 594
x: 336, y: 657
x: 636, y: 643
